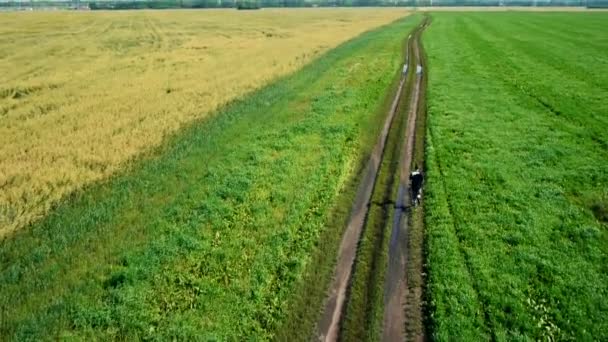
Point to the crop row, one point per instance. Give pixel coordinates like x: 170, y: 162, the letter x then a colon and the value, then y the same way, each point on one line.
x: 516, y: 237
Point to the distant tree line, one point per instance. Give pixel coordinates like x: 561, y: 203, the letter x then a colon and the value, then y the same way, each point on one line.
x: 597, y: 4
x: 38, y: 4
x: 251, y: 4
x: 254, y: 4
x: 248, y: 4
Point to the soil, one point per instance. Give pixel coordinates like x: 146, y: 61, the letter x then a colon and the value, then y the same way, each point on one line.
x: 396, y: 282
x: 329, y: 325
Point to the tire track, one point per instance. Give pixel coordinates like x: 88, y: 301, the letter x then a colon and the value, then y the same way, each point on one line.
x: 329, y: 325
x: 396, y: 282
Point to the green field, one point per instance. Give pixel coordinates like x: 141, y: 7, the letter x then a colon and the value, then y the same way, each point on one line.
x: 517, y: 161
x: 230, y: 228
x: 212, y: 235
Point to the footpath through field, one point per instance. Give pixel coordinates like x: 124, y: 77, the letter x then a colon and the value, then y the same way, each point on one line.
x: 331, y: 326
x: 396, y: 282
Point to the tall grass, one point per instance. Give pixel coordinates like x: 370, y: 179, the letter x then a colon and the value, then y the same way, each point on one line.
x: 82, y: 93
x: 517, y: 162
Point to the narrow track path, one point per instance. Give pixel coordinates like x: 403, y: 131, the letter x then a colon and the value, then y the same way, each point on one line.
x: 396, y: 282
x: 329, y: 324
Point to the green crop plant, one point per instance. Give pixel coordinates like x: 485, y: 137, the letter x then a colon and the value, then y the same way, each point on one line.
x: 517, y: 176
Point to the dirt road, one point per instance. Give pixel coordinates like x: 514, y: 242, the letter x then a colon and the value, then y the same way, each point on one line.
x: 329, y: 325
x: 396, y: 285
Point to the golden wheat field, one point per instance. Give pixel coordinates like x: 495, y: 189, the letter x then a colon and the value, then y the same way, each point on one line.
x: 82, y: 93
